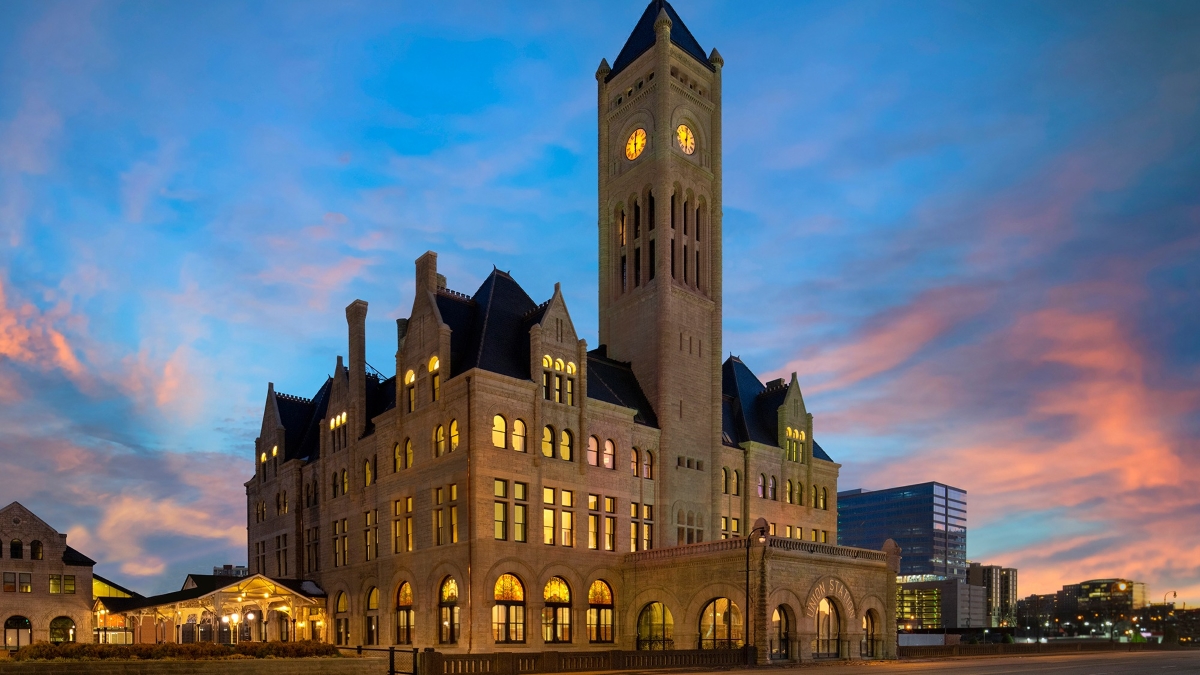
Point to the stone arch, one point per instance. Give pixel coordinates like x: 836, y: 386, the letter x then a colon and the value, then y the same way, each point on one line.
x: 629, y: 613
x: 687, y: 622
x: 838, y: 591
x: 685, y: 114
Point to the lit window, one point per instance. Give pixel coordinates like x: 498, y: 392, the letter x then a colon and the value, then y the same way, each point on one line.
x: 556, y: 612
x: 609, y: 461
x: 434, y: 364
x: 593, y: 451
x: 508, y: 612
x: 558, y: 364
x: 566, y: 445
x: 571, y: 368
x: 518, y: 435
x: 439, y: 440
x: 547, y: 362
x: 453, y: 435
x: 634, y: 461
x: 600, y: 612
x: 275, y: 451
x: 548, y: 441
x: 499, y: 431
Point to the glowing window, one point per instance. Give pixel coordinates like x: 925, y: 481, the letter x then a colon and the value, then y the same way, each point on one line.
x: 610, y: 451
x: 439, y: 440
x: 499, y: 431
x: 449, y: 592
x: 263, y: 458
x: 341, y: 602
x: 518, y: 435
x: 509, y: 587
x: 566, y: 445
x: 367, y: 472
x: 593, y: 451
x: 571, y: 368
x: 548, y: 441
x: 404, y: 596
x: 558, y: 364
x: 434, y: 364
x: 410, y: 377
x: 373, y: 599
x: 547, y: 362
x: 275, y: 451
x: 453, y: 435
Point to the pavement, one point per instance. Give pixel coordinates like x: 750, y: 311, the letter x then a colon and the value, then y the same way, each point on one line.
x: 1107, y: 663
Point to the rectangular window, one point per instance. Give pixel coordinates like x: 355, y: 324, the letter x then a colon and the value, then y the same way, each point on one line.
x: 501, y: 520
x: 548, y: 526
x: 570, y: 391
x: 814, y: 535
x: 500, y: 488
x: 685, y: 259
x: 55, y: 584
x: 26, y: 583
x: 672, y: 258
x: 736, y: 526
x: 634, y: 510
x: 610, y: 504
x: 437, y: 527
x: 519, y: 522
x: 650, y: 262
x: 771, y: 529
x: 436, y: 381
x: 567, y: 534
x: 593, y: 531
x: 412, y: 397
x: 558, y: 388
x: 10, y: 582
x: 547, y: 495
x: 787, y: 531
x: 397, y: 535
x: 568, y: 498
x: 610, y: 533
x: 593, y: 502
x: 633, y: 537
x: 454, y: 524
x: 69, y: 584
x: 637, y: 266
x: 520, y: 491
x: 546, y: 385
x: 439, y: 495
x: 824, y: 536
x: 647, y: 512
x: 454, y: 492
x: 647, y: 536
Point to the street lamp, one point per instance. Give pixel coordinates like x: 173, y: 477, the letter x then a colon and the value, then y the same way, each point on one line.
x: 759, y: 530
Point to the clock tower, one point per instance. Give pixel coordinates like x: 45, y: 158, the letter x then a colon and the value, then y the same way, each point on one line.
x: 659, y: 109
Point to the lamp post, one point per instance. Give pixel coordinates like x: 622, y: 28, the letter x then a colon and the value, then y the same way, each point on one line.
x: 760, y: 530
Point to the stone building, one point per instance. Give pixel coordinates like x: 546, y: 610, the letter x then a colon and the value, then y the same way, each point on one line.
x: 509, y: 488
x: 47, y: 592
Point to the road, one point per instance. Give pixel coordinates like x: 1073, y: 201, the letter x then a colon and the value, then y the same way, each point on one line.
x: 1109, y: 663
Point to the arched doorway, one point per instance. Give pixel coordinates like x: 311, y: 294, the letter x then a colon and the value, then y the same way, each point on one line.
x: 508, y: 612
x: 600, y: 612
x: 655, y: 627
x: 448, y: 611
x: 341, y: 622
x: 371, y: 619
x: 720, y: 625
x: 556, y: 612
x: 829, y: 628
x: 18, y: 632
x: 62, y: 629
x: 871, y: 647
x: 780, y: 638
x: 404, y: 614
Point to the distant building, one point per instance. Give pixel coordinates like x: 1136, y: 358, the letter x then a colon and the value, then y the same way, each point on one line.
x: 47, y: 592
x: 1086, y: 608
x: 1037, y: 610
x: 1000, y: 584
x: 925, y: 603
x: 928, y: 521
x: 231, y: 571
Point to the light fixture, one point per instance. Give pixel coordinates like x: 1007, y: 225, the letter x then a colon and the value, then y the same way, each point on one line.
x: 225, y: 619
x: 249, y: 616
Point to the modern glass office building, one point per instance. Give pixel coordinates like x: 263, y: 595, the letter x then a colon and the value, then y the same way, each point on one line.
x: 928, y: 521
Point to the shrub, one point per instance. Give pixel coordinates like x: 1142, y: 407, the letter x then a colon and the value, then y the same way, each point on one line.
x: 167, y: 650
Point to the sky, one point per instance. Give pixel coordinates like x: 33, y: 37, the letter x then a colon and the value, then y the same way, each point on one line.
x: 971, y: 228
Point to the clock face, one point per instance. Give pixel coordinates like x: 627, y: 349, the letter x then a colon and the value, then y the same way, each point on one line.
x: 635, y: 144
x: 687, y: 141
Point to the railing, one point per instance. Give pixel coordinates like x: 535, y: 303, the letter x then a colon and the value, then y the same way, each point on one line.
x: 685, y: 550
x: 785, y: 544
x: 739, y: 543
x: 516, y: 663
x: 400, y: 661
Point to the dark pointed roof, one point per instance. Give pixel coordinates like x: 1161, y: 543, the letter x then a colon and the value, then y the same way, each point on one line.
x: 75, y: 558
x: 490, y: 330
x: 643, y: 38
x: 301, y: 418
x: 614, y: 382
x: 750, y: 409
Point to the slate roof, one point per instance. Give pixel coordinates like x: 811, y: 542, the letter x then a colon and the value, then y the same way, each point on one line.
x: 614, y: 382
x: 749, y: 409
x: 643, y: 38
x: 301, y: 419
x: 491, y: 328
x: 73, y: 557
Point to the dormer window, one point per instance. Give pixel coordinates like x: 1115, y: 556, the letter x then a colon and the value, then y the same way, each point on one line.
x: 410, y: 390
x: 557, y: 386
x: 435, y: 379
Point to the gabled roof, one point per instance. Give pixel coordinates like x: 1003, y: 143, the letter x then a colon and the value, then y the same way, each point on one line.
x: 75, y: 558
x: 199, y: 585
x: 750, y: 409
x: 490, y: 330
x: 643, y: 38
x: 301, y: 419
x: 614, y: 382
x: 119, y: 587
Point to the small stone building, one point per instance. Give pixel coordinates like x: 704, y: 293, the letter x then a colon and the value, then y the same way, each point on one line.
x: 508, y: 488
x: 47, y: 591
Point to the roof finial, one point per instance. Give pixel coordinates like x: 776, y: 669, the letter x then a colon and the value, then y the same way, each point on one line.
x: 715, y: 58
x: 603, y: 70
x: 662, y: 22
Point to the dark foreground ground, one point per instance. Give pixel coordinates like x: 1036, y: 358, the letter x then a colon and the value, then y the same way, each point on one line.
x: 1110, y: 663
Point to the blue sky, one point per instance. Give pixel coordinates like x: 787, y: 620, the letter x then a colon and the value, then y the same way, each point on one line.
x: 972, y: 228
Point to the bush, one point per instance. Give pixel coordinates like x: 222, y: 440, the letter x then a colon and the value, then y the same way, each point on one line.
x: 184, y: 652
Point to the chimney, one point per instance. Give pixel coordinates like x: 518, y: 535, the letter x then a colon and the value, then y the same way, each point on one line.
x: 356, y: 319
x: 427, y: 276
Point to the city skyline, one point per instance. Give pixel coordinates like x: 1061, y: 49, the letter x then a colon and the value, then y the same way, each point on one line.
x: 978, y: 224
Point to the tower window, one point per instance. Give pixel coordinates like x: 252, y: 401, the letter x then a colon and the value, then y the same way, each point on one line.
x: 697, y: 223
x: 697, y: 267
x: 650, y: 204
x: 650, y: 262
x: 621, y: 227
x: 624, y: 275
x: 672, y: 210
x: 685, y: 210
x: 637, y: 219
x: 672, y: 258
x: 685, y: 258
x: 637, y: 267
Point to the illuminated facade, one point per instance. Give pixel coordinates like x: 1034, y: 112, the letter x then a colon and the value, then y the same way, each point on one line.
x: 927, y: 520
x: 508, y: 488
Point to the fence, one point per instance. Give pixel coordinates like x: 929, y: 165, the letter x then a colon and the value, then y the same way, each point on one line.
x: 400, y: 661
x: 517, y: 663
x: 1016, y: 649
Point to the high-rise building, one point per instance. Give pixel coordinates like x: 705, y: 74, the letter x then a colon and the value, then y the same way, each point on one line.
x: 1000, y: 584
x: 510, y: 489
x: 932, y: 603
x: 928, y: 521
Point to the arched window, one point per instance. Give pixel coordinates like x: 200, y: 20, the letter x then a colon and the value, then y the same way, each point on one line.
x: 62, y: 629
x: 634, y: 461
x: 610, y: 452
x: 408, y: 453
x: 508, y: 614
x: 371, y: 620
x: 570, y: 367
x: 799, y: 493
x: 600, y: 612
x: 870, y: 626
x: 448, y: 611
x: 398, y: 458
x: 18, y: 632
x: 771, y: 494
x: 341, y: 623
x: 367, y: 473
x: 593, y: 451
x: 410, y: 390
x: 566, y: 445
x: 558, y: 364
x: 519, y: 435
x: 439, y: 441
x: 725, y: 480
x: 35, y: 548
x: 779, y: 638
x: 788, y: 494
x: 824, y: 499
x: 15, y: 550
x: 812, y: 496
x: 648, y: 465
x: 655, y: 627
x: 345, y: 482
x: 499, y: 431
x: 762, y: 485
x: 434, y: 364
x: 720, y: 625
x: 556, y: 613
x: 548, y: 441
x: 829, y: 626
x: 404, y: 614
x: 547, y: 361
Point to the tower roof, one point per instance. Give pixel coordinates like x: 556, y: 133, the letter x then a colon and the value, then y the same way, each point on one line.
x: 643, y: 38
